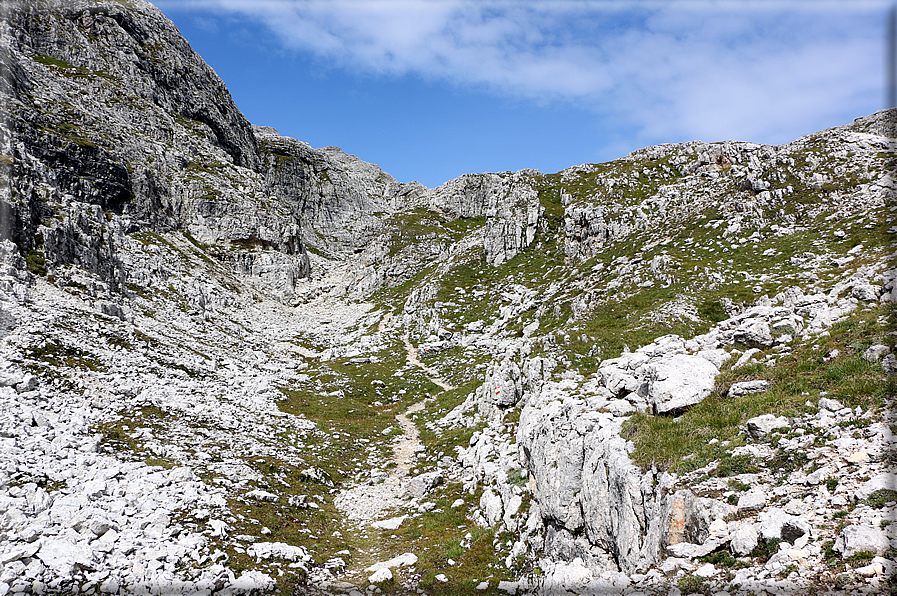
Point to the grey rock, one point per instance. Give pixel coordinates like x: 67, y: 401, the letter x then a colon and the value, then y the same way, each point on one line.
x: 403, y: 560
x: 744, y: 539
x: 420, y: 485
x: 746, y: 387
x: 754, y: 333
x: 774, y: 523
x: 688, y: 550
x: 678, y: 382
x: 580, y: 470
x: 64, y: 556
x: 716, y: 356
x: 883, y: 481
x: 875, y: 352
x: 28, y: 383
x: 830, y: 404
x: 381, y: 575
x: 889, y: 364
x: 753, y: 500
x: 854, y: 539
x: 262, y: 495
x: 508, y: 201
x: 392, y: 523
x: 279, y: 550
x: 491, y: 505
x: 760, y: 426
x: 865, y: 292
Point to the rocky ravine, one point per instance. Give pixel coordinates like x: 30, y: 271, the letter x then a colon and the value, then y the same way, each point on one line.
x: 233, y: 363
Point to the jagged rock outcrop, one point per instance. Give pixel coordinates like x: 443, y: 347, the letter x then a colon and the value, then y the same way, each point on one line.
x: 508, y: 201
x: 655, y: 186
x: 183, y: 394
x: 113, y: 125
x: 343, y: 202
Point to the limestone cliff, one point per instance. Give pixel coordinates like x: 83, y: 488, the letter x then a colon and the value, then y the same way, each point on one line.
x: 231, y: 363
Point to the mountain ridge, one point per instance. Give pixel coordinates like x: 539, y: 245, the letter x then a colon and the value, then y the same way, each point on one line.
x: 232, y: 363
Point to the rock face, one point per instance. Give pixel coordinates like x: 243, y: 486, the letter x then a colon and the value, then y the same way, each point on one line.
x: 342, y: 201
x: 177, y: 371
x: 156, y: 144
x: 143, y: 136
x: 509, y: 202
x: 586, y: 486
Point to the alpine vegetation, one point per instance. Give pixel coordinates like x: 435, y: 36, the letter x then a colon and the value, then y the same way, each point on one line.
x: 231, y: 363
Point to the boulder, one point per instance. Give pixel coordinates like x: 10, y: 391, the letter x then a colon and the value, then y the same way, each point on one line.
x: 403, y: 560
x: 744, y: 539
x: 679, y: 381
x: 392, y: 523
x: 889, y: 364
x: 885, y: 480
x: 760, y: 426
x: 875, y: 353
x: 490, y: 503
x: 776, y: 524
x: 745, y: 387
x: 753, y: 500
x: 857, y: 539
x: 754, y: 333
x: 381, y: 575
x: 717, y: 356
x: 829, y: 404
x: 64, y: 556
x: 417, y: 487
x: 279, y: 550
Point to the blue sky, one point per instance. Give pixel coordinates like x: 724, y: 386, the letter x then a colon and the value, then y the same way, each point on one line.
x: 432, y: 89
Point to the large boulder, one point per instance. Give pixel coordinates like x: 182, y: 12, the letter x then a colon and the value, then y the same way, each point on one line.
x: 857, y: 539
x: 679, y: 381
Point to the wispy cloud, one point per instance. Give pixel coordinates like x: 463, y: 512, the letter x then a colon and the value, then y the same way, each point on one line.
x: 748, y: 69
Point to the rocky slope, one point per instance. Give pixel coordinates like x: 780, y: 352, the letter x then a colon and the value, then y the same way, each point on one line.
x: 233, y: 363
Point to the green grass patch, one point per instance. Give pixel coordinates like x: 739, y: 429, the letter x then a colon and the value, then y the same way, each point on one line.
x: 60, y: 355
x: 36, y: 262
x: 881, y: 497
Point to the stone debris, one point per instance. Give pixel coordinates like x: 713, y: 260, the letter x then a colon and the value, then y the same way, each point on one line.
x: 177, y: 287
x: 760, y: 426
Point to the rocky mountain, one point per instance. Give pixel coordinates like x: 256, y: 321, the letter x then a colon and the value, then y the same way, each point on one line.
x: 231, y: 363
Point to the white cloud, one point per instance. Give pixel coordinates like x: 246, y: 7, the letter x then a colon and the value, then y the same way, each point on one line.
x: 681, y: 69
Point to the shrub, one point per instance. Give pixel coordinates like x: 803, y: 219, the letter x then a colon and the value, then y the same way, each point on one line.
x: 690, y: 584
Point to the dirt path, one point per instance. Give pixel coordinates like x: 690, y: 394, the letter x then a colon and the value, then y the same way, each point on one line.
x: 368, y: 502
x: 431, y: 374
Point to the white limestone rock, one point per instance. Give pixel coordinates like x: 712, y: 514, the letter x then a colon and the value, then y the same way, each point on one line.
x: 744, y: 539
x: 746, y: 387
x: 875, y: 352
x: 678, y: 382
x: 753, y: 500
x: 392, y: 523
x: 418, y: 486
x: 760, y: 426
x: 885, y: 480
x: 403, y: 560
x: 889, y: 364
x: 381, y: 575
x: 279, y: 550
x: 854, y: 539
x: 64, y: 556
x: 774, y: 523
x: 491, y: 506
